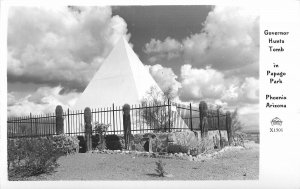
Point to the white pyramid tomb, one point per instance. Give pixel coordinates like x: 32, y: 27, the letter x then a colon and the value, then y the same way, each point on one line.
x: 121, y: 79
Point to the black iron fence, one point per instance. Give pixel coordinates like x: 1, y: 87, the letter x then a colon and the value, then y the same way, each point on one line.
x: 167, y: 116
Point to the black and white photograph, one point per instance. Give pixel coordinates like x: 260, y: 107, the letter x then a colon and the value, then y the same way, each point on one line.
x: 119, y: 92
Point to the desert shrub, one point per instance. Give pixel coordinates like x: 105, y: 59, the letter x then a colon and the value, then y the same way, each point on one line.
x: 160, y: 168
x: 113, y: 142
x: 32, y: 156
x: 82, y: 146
x: 137, y: 142
x: 137, y: 147
x: 95, y: 141
x: 122, y: 141
x: 101, y: 130
x: 201, y: 147
x: 66, y: 144
x: 137, y: 138
x: 176, y: 148
x: 224, y: 142
x: 238, y: 139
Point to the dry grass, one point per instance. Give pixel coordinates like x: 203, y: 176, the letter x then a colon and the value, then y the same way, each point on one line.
x: 230, y: 165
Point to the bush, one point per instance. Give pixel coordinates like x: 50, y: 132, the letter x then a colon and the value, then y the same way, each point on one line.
x: 32, y: 156
x: 176, y: 148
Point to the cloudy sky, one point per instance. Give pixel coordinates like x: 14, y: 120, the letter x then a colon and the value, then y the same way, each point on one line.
x: 206, y: 53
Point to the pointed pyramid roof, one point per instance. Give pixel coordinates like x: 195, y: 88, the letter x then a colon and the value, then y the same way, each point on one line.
x: 122, y: 78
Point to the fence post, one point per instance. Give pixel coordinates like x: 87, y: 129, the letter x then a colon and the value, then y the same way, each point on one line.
x: 203, y: 113
x: 191, y: 117
x: 69, y: 121
x: 88, y: 128
x: 218, y: 114
x: 228, y: 127
x: 59, y: 120
x: 169, y: 112
x: 113, y: 111
x: 31, y: 132
x: 126, y: 125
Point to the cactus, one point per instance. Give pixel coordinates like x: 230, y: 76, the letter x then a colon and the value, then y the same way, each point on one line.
x: 87, y: 115
x: 126, y: 124
x: 126, y: 109
x: 59, y: 120
x: 203, y: 114
x: 88, y: 128
x: 203, y: 108
x: 228, y: 127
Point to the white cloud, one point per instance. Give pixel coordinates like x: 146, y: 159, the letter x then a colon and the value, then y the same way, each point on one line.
x: 212, y: 85
x: 169, y: 48
x: 62, y: 46
x: 221, y: 62
x: 229, y: 41
x: 165, y: 78
x: 201, y: 83
x: 42, y: 101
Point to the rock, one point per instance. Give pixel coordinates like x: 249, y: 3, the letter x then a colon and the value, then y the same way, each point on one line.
x: 148, y: 135
x: 171, y: 137
x: 168, y: 175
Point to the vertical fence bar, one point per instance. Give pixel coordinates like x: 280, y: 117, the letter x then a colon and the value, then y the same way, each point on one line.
x: 136, y: 120
x: 113, y: 114
x: 169, y: 112
x: 106, y: 115
x: 200, y: 117
x: 98, y: 113
x: 47, y: 124
x: 143, y: 118
x: 218, y: 117
x: 41, y: 125
x: 30, y: 124
x: 101, y: 115
x: 68, y: 119
x: 131, y: 115
x: 191, y: 117
x: 36, y: 125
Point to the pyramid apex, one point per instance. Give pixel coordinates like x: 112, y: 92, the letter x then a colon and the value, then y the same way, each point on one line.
x: 122, y: 39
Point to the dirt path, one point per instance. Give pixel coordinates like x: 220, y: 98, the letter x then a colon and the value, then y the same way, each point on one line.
x: 230, y: 165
